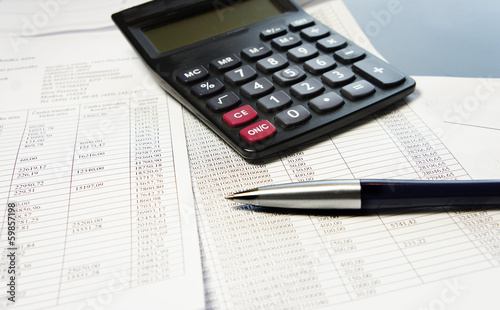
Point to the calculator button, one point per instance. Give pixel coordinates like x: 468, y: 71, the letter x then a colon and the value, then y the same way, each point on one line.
x: 307, y: 89
x: 327, y: 102
x: 338, y: 77
x: 320, y: 65
x: 378, y: 72
x: 349, y: 55
x: 257, y: 132
x: 257, y: 88
x: 289, y: 76
x: 301, y: 23
x: 302, y: 53
x: 274, y: 102
x: 240, y: 116
x: 192, y: 75
x: 357, y: 90
x: 286, y: 42
x: 294, y: 116
x: 223, y: 102
x: 240, y: 76
x: 332, y: 43
x: 256, y: 52
x: 273, y: 32
x: 272, y: 64
x: 207, y: 88
x: 315, y: 32
x: 225, y: 63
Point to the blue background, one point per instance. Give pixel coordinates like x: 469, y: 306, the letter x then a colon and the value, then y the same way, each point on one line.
x: 434, y: 37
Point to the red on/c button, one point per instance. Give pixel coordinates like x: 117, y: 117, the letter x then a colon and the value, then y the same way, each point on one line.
x: 239, y: 116
x: 258, y: 131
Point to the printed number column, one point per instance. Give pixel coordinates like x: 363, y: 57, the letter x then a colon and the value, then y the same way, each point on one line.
x: 40, y: 189
x: 156, y: 235
x: 11, y: 132
x: 97, y: 238
x: 255, y: 258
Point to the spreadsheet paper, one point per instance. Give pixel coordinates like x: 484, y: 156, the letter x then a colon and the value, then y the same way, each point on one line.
x: 93, y: 158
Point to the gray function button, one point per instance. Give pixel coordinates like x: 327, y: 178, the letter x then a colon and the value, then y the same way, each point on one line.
x: 207, y: 88
x: 307, y: 89
x: 257, y: 88
x: 338, y: 77
x: 327, y: 102
x: 274, y: 102
x: 320, y: 65
x: 292, y: 117
x: 272, y: 64
x: 349, y: 54
x: 225, y: 63
x: 300, y: 23
x: 332, y: 43
x: 223, y: 102
x: 256, y: 52
x: 357, y: 90
x: 289, y: 76
x: 378, y: 72
x: 286, y: 42
x: 191, y: 75
x: 315, y: 32
x: 272, y: 32
x: 302, y: 53
x: 240, y: 76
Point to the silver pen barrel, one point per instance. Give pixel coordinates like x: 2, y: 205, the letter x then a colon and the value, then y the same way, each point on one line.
x: 344, y: 194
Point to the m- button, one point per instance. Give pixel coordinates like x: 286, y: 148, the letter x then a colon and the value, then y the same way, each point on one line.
x: 240, y: 116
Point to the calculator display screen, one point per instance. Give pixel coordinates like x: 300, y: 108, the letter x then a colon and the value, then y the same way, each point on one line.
x: 195, y: 28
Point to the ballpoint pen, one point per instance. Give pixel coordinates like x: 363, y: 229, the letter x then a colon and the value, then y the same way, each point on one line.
x: 372, y: 194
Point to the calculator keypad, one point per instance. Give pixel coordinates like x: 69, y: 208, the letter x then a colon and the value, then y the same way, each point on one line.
x: 207, y: 88
x: 223, y: 102
x: 240, y: 116
x: 258, y: 131
x: 327, y: 102
x: 294, y: 75
x: 289, y: 76
x: 257, y: 88
x: 272, y: 64
x: 240, y: 76
x: 307, y: 89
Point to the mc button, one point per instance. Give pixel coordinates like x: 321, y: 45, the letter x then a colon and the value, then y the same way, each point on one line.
x: 192, y: 75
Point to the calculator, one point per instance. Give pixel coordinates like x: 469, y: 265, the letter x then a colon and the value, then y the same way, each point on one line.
x: 262, y: 74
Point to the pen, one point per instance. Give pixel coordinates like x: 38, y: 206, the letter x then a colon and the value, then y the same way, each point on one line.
x: 372, y: 194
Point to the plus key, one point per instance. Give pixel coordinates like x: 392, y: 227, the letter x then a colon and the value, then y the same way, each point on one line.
x: 378, y: 72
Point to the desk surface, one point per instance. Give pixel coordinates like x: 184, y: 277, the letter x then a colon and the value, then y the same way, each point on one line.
x: 436, y: 38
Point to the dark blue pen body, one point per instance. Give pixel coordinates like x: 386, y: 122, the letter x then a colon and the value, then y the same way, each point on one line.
x: 377, y: 194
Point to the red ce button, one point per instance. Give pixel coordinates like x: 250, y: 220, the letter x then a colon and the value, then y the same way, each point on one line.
x: 239, y: 116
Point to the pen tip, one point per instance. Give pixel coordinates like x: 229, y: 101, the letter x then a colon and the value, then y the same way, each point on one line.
x: 230, y: 197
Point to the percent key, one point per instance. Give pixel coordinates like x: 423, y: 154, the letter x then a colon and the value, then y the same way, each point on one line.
x: 207, y: 88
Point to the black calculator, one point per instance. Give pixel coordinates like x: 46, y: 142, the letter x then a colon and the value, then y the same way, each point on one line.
x: 262, y: 74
